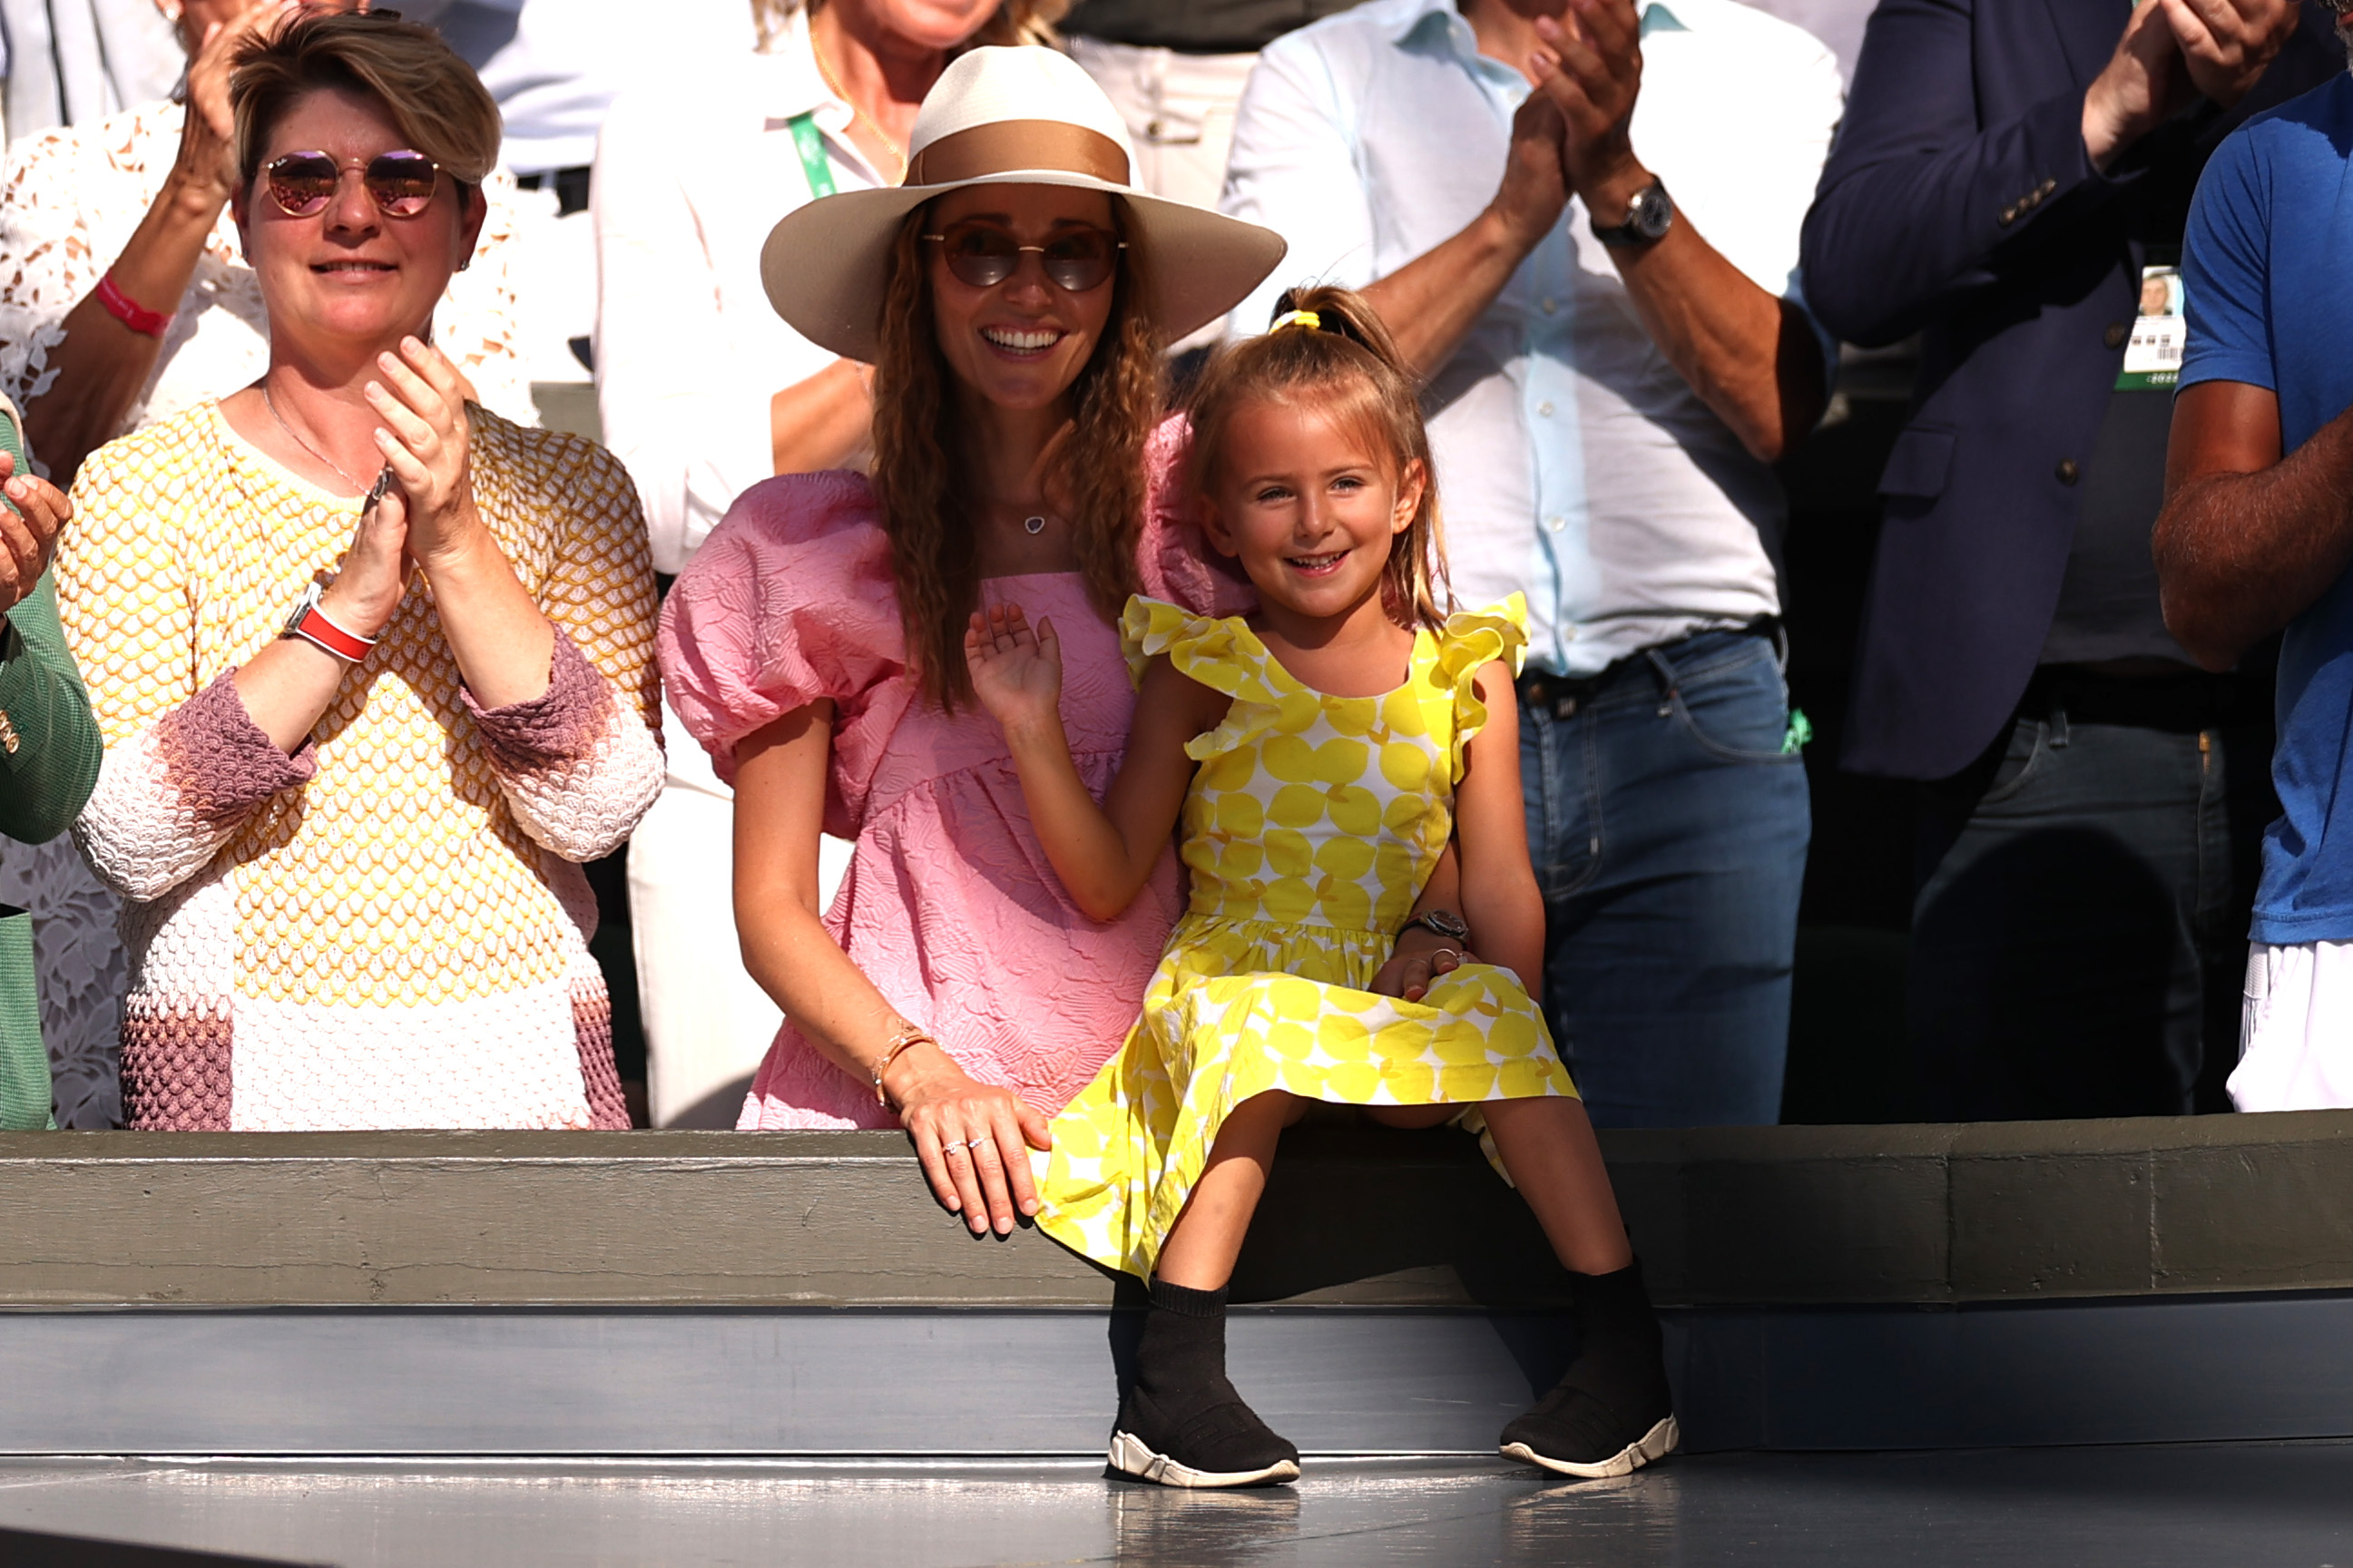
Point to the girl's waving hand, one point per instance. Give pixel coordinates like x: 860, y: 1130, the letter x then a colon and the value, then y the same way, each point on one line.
x: 1103, y: 854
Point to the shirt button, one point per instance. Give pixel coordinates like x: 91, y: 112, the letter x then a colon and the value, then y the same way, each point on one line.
x: 2008, y: 215
x: 1556, y: 524
x: 2068, y: 471
x: 2048, y: 186
x: 1544, y: 409
x: 1549, y: 306
x: 2115, y: 336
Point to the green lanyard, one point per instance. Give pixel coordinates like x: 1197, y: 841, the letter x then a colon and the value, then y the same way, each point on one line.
x: 814, y: 162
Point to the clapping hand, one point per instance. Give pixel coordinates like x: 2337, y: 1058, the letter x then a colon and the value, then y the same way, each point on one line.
x: 426, y: 443
x: 2173, y: 49
x: 1591, y: 71
x: 29, y: 523
x: 1017, y: 671
x: 207, y: 156
x: 2227, y: 44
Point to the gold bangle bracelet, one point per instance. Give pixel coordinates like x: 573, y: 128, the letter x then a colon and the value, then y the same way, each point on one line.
x: 907, y: 1035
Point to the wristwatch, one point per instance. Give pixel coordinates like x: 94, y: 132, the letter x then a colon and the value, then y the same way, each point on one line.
x: 1648, y: 217
x: 309, y: 623
x: 1446, y: 924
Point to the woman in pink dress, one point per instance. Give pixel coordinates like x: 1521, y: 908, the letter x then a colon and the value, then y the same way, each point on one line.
x: 1013, y: 297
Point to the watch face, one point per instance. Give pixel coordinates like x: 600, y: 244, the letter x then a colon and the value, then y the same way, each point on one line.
x: 1652, y: 212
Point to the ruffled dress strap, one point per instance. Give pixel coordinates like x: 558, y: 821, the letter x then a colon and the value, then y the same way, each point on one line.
x: 1223, y: 654
x: 1468, y: 642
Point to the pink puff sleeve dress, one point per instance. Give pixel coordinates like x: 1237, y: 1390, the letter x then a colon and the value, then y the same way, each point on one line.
x: 949, y: 906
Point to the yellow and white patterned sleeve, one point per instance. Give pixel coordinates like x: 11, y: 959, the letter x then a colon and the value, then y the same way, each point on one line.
x: 581, y: 763
x: 185, y: 764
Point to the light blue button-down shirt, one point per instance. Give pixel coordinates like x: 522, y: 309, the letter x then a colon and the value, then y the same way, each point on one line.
x: 1575, y: 464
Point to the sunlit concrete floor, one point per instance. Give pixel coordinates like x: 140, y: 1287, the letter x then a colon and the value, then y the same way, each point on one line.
x: 2271, y: 1504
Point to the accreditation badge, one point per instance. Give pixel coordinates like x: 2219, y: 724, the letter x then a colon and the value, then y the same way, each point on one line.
x: 2153, y: 352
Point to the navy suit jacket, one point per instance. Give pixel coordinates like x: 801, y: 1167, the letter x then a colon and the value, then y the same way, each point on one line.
x: 1958, y: 203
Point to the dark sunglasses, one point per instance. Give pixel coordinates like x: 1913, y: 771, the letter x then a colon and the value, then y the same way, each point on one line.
x: 982, y: 255
x: 400, y: 184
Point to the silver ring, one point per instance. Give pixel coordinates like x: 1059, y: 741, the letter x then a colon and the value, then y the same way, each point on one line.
x: 1446, y: 952
x: 952, y: 1147
x: 980, y: 1143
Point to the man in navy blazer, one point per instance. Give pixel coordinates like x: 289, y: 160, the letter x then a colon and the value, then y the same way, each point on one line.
x: 2011, y: 184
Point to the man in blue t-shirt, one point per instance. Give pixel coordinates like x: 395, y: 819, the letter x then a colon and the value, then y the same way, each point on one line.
x: 2256, y: 537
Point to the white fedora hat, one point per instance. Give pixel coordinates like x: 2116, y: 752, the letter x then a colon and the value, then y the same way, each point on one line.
x: 1014, y: 116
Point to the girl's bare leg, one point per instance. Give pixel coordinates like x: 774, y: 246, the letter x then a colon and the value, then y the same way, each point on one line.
x: 1548, y: 1147
x: 1207, y: 1237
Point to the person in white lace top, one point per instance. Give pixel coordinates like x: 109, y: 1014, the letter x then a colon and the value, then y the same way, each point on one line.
x: 142, y: 199
x: 143, y: 196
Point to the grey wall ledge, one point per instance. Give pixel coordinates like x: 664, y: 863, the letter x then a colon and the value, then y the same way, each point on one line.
x: 1735, y: 1216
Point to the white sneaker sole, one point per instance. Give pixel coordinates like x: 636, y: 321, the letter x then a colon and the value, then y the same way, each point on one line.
x: 1130, y: 1456
x: 1656, y: 1444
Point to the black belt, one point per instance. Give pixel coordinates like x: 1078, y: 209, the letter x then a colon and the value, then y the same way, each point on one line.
x: 1565, y: 694
x: 2182, y: 704
x: 571, y: 187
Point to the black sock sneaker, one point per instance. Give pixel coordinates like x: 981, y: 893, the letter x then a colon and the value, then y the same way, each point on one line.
x: 1182, y: 1425
x: 1612, y: 1413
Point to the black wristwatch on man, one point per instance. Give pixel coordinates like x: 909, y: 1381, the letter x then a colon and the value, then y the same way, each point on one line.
x: 1648, y: 215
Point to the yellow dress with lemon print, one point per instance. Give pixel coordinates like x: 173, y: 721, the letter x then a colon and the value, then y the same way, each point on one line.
x: 1311, y: 826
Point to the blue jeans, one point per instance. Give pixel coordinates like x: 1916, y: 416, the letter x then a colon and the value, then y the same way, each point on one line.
x: 1669, y: 829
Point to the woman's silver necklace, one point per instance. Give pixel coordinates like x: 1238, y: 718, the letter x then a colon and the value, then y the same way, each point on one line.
x: 294, y: 436
x: 1033, y: 525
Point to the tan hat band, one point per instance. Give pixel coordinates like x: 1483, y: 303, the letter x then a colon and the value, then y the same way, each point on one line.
x: 1010, y: 146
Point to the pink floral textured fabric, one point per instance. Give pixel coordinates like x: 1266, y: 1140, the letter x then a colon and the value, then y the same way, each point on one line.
x: 949, y: 906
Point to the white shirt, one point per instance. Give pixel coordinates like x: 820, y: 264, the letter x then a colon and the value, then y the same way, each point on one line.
x: 690, y: 177
x: 556, y: 66
x: 1575, y: 464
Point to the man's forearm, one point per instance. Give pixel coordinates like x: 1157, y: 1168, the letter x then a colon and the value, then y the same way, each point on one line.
x: 2239, y: 556
x: 1751, y: 356
x: 1432, y: 302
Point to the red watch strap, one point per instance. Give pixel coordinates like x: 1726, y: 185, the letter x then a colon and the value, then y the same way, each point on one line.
x: 138, y: 318
x: 314, y: 627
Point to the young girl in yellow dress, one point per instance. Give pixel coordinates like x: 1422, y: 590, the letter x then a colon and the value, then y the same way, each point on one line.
x: 1320, y: 757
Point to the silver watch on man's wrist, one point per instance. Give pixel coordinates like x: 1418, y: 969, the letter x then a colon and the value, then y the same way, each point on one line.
x: 1649, y: 215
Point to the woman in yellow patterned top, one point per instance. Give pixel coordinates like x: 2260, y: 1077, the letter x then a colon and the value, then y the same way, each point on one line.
x: 1316, y: 792
x: 348, y: 817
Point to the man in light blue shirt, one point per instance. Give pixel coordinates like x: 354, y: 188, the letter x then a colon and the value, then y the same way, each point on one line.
x: 1611, y: 372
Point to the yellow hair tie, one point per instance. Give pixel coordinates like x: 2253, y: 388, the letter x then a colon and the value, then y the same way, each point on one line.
x: 1307, y: 319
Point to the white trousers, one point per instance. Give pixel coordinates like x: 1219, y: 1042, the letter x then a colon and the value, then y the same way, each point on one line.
x: 1180, y: 111
x: 707, y: 1022
x: 2296, y: 1028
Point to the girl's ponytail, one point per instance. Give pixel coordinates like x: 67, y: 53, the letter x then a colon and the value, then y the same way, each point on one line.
x: 1327, y: 345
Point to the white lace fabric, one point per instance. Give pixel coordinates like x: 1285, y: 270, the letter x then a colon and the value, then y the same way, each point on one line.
x: 72, y: 198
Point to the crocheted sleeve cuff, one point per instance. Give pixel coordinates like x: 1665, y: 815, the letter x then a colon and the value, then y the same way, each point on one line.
x: 169, y: 797
x: 578, y: 768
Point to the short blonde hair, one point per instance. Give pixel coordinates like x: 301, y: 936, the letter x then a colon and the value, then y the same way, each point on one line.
x: 433, y: 97
x: 1014, y: 22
